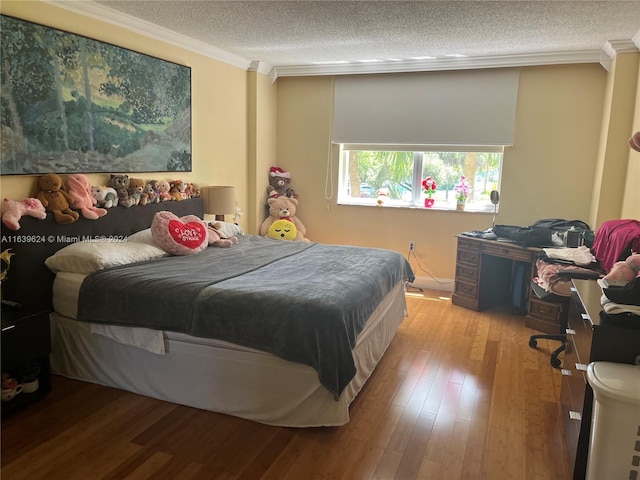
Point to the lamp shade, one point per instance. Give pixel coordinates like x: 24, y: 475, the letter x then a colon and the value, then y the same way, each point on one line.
x: 218, y: 200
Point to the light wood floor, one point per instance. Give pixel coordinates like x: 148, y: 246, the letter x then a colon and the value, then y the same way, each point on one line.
x: 458, y: 395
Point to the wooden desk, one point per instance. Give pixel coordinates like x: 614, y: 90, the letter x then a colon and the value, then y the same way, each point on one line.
x: 591, y: 337
x: 484, y: 279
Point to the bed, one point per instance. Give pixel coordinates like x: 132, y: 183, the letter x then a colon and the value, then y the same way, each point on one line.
x: 282, y: 333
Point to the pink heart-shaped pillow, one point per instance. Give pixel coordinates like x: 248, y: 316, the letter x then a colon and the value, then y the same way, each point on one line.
x: 179, y: 236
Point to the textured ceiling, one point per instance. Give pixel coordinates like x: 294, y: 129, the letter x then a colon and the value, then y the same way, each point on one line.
x: 284, y: 33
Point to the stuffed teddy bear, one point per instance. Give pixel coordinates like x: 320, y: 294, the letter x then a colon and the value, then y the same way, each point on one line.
x: 283, y: 208
x: 216, y: 240
x: 278, y: 182
x: 193, y: 191
x: 177, y: 189
x: 79, y: 188
x: 50, y: 190
x: 120, y: 183
x: 106, y: 197
x: 226, y: 229
x: 163, y: 191
x: 623, y: 272
x: 13, y: 210
x: 136, y: 191
x: 151, y: 192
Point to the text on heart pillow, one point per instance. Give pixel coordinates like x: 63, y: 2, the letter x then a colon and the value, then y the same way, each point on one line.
x: 179, y: 235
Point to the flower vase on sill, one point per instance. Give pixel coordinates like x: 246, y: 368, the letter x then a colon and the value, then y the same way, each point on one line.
x: 429, y: 185
x: 462, y: 189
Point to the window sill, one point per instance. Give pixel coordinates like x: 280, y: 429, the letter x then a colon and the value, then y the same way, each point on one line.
x: 469, y: 208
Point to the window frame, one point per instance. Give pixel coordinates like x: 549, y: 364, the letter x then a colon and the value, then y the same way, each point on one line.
x: 417, y: 198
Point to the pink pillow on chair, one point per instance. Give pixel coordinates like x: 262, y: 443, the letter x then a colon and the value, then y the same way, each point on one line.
x: 179, y: 236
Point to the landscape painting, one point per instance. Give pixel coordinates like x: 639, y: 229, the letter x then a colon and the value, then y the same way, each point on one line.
x: 72, y: 104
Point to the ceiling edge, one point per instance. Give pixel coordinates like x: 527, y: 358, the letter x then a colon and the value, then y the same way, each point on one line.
x: 150, y: 30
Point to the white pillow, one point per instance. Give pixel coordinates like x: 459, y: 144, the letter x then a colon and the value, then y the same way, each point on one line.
x: 87, y: 257
x: 143, y: 236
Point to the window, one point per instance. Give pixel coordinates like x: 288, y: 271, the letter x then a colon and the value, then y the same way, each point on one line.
x: 397, y: 174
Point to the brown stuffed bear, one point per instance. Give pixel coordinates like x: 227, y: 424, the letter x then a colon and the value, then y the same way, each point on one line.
x: 283, y: 208
x: 136, y: 191
x: 49, y: 189
x: 279, y: 181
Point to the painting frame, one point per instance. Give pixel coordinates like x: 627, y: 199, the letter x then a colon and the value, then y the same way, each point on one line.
x: 73, y: 104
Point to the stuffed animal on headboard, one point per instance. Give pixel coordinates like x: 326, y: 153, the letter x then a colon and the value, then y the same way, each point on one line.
x: 106, y: 197
x: 49, y: 189
x: 120, y: 183
x: 79, y: 188
x: 13, y: 210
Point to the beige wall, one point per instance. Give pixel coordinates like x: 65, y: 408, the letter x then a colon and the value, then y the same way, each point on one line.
x: 631, y: 202
x: 548, y: 173
x: 262, y: 95
x: 243, y: 124
x: 219, y: 102
x: 612, y: 168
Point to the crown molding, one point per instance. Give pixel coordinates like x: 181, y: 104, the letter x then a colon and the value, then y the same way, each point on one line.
x: 497, y: 61
x: 614, y: 47
x: 636, y: 39
x: 260, y: 67
x: 150, y: 30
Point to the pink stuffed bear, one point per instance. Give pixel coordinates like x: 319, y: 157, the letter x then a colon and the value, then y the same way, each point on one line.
x: 13, y: 210
x: 216, y: 240
x: 623, y: 272
x: 79, y: 188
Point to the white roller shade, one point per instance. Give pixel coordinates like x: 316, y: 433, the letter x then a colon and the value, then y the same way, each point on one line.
x: 470, y: 107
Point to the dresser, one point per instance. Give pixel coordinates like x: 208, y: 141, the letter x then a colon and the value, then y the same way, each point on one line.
x: 26, y: 343
x: 486, y: 278
x: 591, y: 337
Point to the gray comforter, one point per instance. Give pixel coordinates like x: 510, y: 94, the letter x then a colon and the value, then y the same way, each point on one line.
x: 304, y: 302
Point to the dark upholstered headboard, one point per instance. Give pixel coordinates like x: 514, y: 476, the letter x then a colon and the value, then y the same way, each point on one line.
x: 29, y: 281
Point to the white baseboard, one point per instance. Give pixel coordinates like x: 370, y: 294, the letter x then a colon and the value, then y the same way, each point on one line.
x: 428, y: 283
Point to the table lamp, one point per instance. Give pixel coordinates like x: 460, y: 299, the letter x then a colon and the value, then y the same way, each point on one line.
x: 218, y: 200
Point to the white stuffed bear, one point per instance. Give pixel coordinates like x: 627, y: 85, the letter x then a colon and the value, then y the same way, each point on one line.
x: 107, y: 197
x: 13, y: 210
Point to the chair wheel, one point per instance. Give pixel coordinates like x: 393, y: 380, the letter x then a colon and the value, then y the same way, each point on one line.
x: 533, y: 343
x: 555, y: 362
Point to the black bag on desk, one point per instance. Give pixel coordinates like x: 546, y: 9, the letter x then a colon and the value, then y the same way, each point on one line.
x: 533, y: 236
x: 560, y: 225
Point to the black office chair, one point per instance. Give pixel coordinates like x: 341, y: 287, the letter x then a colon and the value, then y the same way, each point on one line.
x: 564, y: 322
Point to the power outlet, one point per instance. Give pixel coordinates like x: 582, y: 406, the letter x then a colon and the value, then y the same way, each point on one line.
x: 412, y: 245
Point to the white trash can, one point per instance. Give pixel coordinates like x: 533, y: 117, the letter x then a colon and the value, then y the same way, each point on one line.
x: 614, y: 446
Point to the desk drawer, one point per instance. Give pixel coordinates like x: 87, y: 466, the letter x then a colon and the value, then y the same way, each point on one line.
x: 466, y: 289
x: 468, y: 256
x: 507, y: 251
x: 469, y: 245
x: 543, y: 316
x: 464, y: 272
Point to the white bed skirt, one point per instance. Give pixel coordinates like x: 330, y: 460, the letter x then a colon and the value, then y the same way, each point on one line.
x: 223, y: 377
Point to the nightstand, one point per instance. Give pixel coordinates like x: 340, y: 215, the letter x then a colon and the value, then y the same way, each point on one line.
x: 26, y: 345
